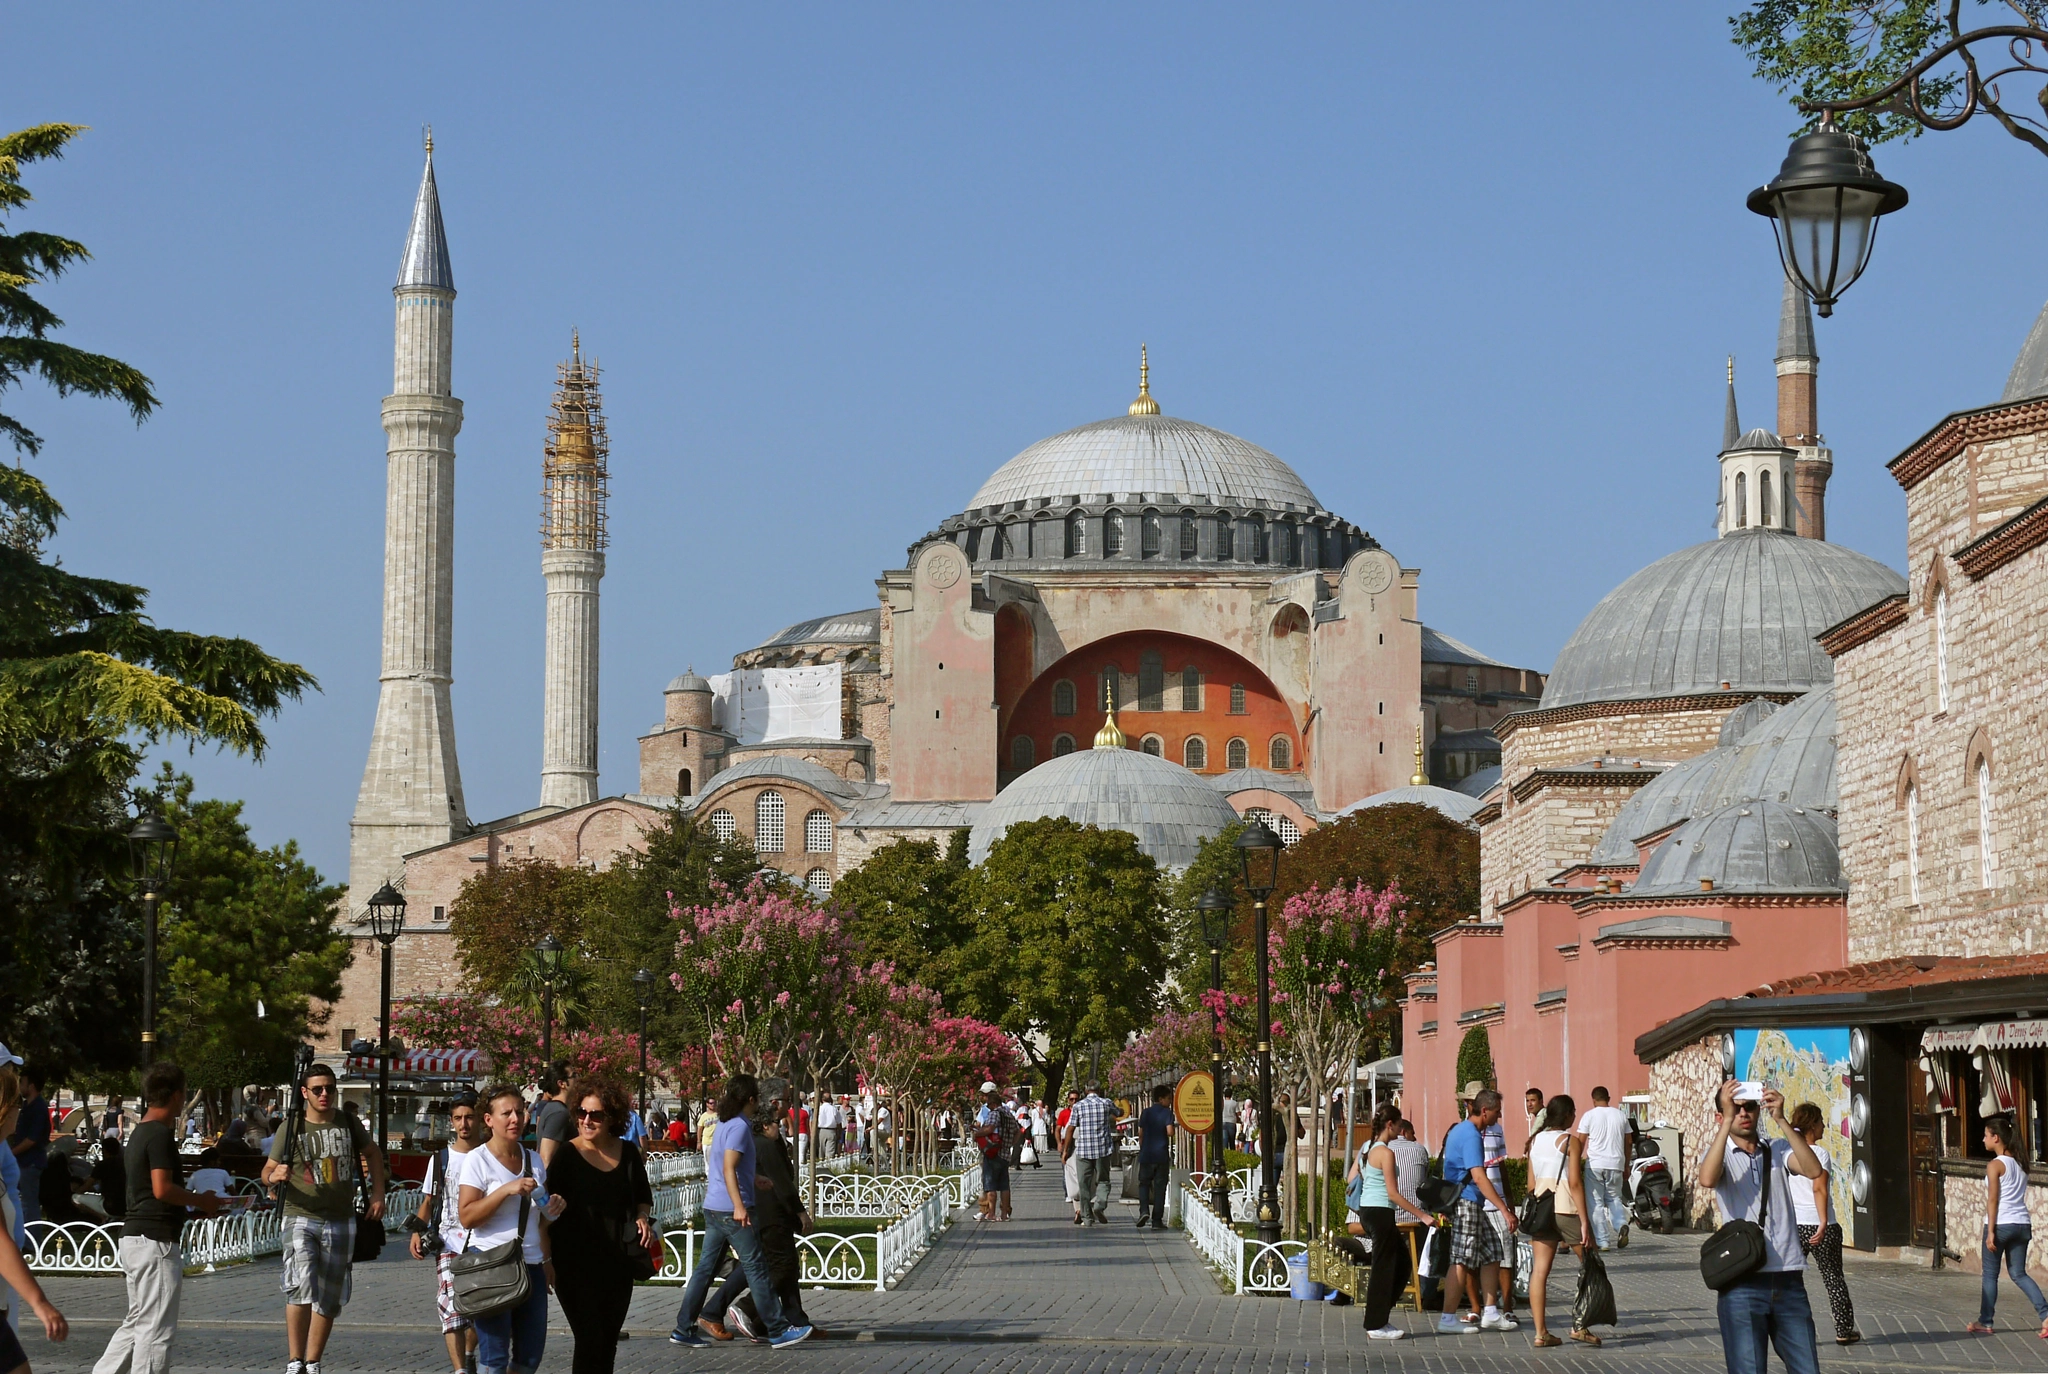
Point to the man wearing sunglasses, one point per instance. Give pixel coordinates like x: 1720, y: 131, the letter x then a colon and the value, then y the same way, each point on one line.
x: 316, y: 1158
x: 1769, y: 1307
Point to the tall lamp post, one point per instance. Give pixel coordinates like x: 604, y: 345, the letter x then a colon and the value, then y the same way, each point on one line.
x: 387, y: 919
x: 1215, y: 909
x: 550, y: 951
x: 152, y: 854
x: 643, y: 992
x: 1258, y: 850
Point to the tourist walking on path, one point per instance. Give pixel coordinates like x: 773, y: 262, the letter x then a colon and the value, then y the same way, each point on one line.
x: 502, y: 1185
x: 830, y: 1116
x: 779, y: 1216
x: 729, y: 1224
x: 1532, y: 1112
x: 1605, y: 1131
x: 601, y: 1181
x: 1155, y: 1158
x: 995, y: 1132
x: 1753, y: 1180
x: 2008, y: 1228
x: 437, y: 1227
x: 1373, y: 1184
x: 317, y: 1158
x: 1070, y: 1163
x: 1475, y: 1245
x: 1411, y: 1156
x: 1813, y: 1209
x: 1091, y: 1129
x: 156, y: 1199
x: 1041, y: 1133
x: 1556, y: 1168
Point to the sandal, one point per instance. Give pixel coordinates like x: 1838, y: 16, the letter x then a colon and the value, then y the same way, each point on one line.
x: 1585, y: 1338
x: 1978, y: 1329
x: 1547, y: 1341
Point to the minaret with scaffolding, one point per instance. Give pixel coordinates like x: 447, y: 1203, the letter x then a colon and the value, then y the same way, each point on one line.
x: 574, y: 482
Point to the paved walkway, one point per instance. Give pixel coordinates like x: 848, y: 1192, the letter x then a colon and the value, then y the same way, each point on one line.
x: 1039, y: 1295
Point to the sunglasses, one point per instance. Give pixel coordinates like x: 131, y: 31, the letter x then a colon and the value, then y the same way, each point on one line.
x: 323, y: 1089
x: 1751, y: 1107
x: 598, y: 1115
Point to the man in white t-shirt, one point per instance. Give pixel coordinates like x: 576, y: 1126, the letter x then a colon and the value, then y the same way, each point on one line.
x: 1604, y: 1129
x: 1769, y: 1307
x: 442, y: 1195
x: 830, y: 1117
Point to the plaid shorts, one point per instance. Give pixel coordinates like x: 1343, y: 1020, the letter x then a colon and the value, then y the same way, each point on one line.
x: 1474, y: 1242
x: 444, y: 1296
x: 1500, y: 1231
x: 317, y: 1258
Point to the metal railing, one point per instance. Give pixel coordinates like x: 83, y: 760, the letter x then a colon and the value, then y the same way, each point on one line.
x: 233, y: 1237
x: 1251, y: 1266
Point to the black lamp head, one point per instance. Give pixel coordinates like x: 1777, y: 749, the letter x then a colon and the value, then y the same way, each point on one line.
x: 152, y: 852
x: 1823, y: 206
x: 1258, y: 848
x: 1214, y: 909
x: 387, y: 913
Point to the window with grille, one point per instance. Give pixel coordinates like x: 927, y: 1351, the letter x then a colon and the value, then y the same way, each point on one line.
x: 1941, y: 647
x: 1112, y: 534
x: 1287, y: 830
x: 1195, y: 753
x: 1151, y: 681
x: 1190, y: 688
x: 1283, y: 543
x: 818, y: 833
x: 1154, y: 746
x: 722, y: 825
x: 768, y: 814
x: 1189, y: 533
x: 1022, y: 753
x: 1225, y: 544
x: 818, y: 882
x: 1237, y: 698
x: 1062, y: 745
x: 1986, y: 861
x: 1255, y: 530
x: 1280, y: 754
x: 1063, y: 698
x: 1077, y: 535
x: 1237, y: 754
x: 1151, y: 536
x: 1913, y: 843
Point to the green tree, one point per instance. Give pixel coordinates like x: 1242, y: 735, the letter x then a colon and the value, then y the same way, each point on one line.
x: 1432, y: 859
x: 1068, y: 940
x: 501, y: 913
x: 1475, y: 1059
x: 906, y: 904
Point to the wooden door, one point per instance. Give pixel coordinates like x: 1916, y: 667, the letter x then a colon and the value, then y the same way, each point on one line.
x: 1923, y: 1164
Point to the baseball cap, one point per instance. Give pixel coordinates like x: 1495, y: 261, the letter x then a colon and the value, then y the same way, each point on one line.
x: 988, y: 1087
x: 8, y: 1056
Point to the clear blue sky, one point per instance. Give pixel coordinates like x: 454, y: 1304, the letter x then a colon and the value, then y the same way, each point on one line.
x: 1473, y: 274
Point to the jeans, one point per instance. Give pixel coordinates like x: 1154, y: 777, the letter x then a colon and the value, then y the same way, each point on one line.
x: 720, y: 1234
x: 514, y: 1338
x: 2010, y: 1243
x: 1766, y: 1310
x: 1152, y: 1176
x: 32, y: 1192
x: 785, y: 1265
x: 1603, y: 1199
x: 1094, y: 1179
x: 142, y: 1343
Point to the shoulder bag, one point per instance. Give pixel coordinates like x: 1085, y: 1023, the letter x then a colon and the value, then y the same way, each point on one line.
x: 1436, y: 1193
x: 643, y: 1262
x: 486, y: 1282
x: 1738, y: 1249
x: 369, y: 1231
x: 1539, y: 1210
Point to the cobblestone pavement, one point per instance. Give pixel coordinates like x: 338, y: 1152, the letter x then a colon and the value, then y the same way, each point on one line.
x: 1039, y: 1295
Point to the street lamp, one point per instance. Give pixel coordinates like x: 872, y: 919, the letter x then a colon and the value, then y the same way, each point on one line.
x: 1258, y: 850
x: 1215, y: 909
x: 152, y: 854
x: 387, y: 919
x: 643, y: 992
x: 550, y: 951
x: 1823, y: 206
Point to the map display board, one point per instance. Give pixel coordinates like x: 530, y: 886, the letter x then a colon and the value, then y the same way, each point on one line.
x: 1806, y: 1064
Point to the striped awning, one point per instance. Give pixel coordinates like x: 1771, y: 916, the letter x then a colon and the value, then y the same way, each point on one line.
x: 426, y: 1063
x: 2029, y: 1034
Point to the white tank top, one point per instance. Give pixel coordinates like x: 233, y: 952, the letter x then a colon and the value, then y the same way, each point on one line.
x: 2012, y: 1193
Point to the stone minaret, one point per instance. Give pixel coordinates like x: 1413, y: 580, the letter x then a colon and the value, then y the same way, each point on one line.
x: 412, y: 789
x: 1798, y: 412
x: 572, y: 539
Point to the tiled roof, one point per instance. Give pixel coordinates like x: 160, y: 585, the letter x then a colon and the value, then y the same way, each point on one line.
x: 1884, y: 975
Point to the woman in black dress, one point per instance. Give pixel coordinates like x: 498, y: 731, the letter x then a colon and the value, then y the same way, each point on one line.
x: 604, y: 1180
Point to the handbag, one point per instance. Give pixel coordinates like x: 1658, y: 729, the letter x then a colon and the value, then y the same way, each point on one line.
x: 1539, y: 1212
x: 1738, y: 1249
x: 1028, y: 1155
x: 1436, y: 1193
x: 485, y: 1282
x: 643, y: 1262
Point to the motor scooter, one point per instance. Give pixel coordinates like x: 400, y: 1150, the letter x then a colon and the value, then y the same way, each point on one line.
x: 1653, y: 1195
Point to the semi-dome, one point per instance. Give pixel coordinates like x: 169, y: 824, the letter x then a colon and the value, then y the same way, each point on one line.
x: 1738, y: 613
x: 1456, y: 805
x: 1665, y: 800
x: 1146, y: 453
x: 1750, y: 847
x: 1168, y: 809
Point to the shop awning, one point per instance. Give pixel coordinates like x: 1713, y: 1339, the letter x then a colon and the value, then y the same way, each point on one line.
x: 1989, y: 1035
x: 426, y: 1064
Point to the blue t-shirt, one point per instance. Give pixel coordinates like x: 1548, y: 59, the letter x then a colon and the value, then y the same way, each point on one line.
x: 34, y: 1127
x: 1464, y: 1151
x: 736, y: 1134
x: 1155, y: 1125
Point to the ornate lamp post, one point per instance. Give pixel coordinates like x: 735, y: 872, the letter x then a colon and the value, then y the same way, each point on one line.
x: 1258, y: 850
x: 387, y: 919
x: 152, y: 854
x: 550, y: 951
x: 643, y: 992
x: 1215, y: 909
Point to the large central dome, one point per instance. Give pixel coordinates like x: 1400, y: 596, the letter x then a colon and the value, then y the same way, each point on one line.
x: 1146, y: 453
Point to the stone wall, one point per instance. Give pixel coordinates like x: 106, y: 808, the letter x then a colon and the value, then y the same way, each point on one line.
x: 1681, y: 1085
x: 1554, y: 828
x: 1966, y: 1237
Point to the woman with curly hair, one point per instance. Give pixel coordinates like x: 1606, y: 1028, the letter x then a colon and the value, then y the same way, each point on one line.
x: 605, y: 1232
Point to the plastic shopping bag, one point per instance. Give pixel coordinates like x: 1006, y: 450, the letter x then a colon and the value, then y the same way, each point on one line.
x: 1595, y: 1303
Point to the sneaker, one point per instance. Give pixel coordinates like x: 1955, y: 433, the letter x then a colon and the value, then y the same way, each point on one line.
x: 739, y: 1320
x: 1621, y: 1239
x: 690, y: 1337
x: 795, y: 1335
x: 1500, y: 1321
x: 1386, y: 1333
x: 312, y: 1367
x: 1449, y: 1325
x: 294, y: 1367
x: 1141, y: 1223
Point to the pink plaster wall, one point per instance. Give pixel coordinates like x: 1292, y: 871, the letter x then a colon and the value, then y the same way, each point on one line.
x: 943, y: 745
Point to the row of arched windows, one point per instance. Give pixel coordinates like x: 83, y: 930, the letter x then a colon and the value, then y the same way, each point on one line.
x: 1194, y: 752
x: 770, y: 813
x: 1246, y: 538
x: 1979, y: 778
x: 1767, y: 509
x: 1156, y: 691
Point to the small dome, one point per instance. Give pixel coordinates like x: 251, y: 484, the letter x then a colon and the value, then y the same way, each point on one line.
x: 1750, y: 847
x: 848, y: 627
x: 1741, y: 610
x: 1130, y: 454
x: 1455, y: 805
x: 1744, y: 718
x: 1756, y: 439
x: 1168, y: 809
x: 813, y: 775
x: 1482, y: 781
x: 688, y: 682
x: 1670, y: 797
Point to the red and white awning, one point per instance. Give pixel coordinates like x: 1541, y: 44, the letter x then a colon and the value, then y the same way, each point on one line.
x: 1990, y: 1035
x: 426, y: 1064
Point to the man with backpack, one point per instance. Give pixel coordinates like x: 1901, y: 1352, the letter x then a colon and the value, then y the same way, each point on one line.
x: 437, y: 1229
x: 997, y: 1134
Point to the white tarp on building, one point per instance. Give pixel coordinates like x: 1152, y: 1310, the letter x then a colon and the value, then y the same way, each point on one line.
x: 760, y: 705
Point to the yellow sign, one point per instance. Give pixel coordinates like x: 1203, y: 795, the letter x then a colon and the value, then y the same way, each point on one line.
x: 1194, y: 1103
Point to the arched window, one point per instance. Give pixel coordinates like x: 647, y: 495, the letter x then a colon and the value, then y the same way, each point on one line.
x: 1237, y: 754
x: 818, y: 833
x: 768, y: 812
x: 1062, y: 745
x: 1151, y: 681
x: 974, y: 545
x: 1311, y: 547
x: 1191, y: 688
x: 1280, y: 753
x: 682, y: 782
x: 1237, y: 698
x: 1063, y: 698
x: 1077, y: 535
x: 1283, y: 543
x: 1022, y: 753
x: 723, y: 826
x: 1286, y: 829
x: 1112, y: 534
x: 1741, y: 501
x: 1151, y: 535
x: 1154, y: 746
x: 1194, y: 755
x: 818, y: 882
x: 1255, y: 530
x: 993, y: 548
x: 1987, y: 862
x: 1763, y: 498
x: 1913, y: 843
x: 1189, y: 547
x: 1225, y: 544
x: 1941, y: 646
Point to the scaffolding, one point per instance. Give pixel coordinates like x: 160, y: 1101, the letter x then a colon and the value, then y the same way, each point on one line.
x: 575, y: 481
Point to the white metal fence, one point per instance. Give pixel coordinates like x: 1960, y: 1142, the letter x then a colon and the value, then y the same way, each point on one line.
x: 242, y: 1233
x: 1251, y: 1266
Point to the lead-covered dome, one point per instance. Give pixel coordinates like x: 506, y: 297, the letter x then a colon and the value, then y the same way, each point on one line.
x: 1168, y: 809
x: 1750, y: 847
x: 1135, y: 454
x: 1738, y: 613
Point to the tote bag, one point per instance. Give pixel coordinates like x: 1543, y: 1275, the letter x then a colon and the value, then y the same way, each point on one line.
x: 486, y: 1282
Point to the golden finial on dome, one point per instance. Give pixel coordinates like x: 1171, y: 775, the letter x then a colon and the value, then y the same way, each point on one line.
x: 1144, y: 405
x: 1731, y: 369
x: 1109, y: 736
x: 430, y: 140
x: 1421, y: 779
